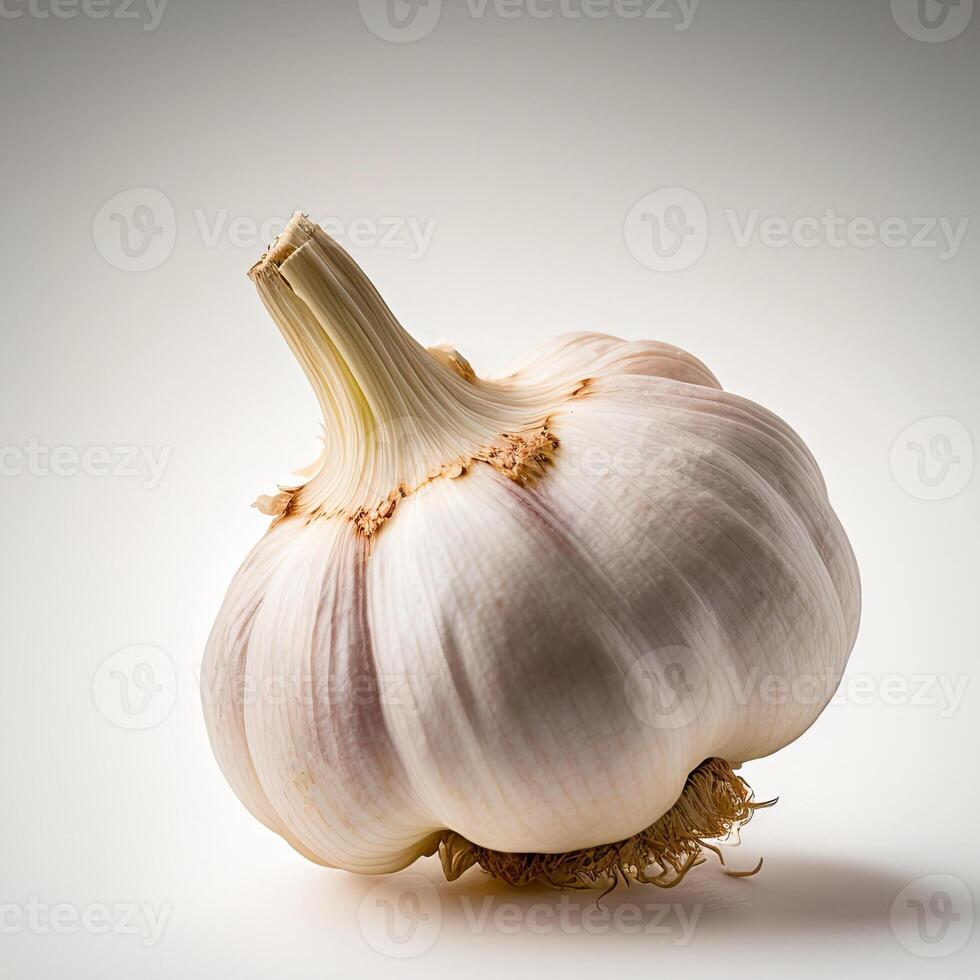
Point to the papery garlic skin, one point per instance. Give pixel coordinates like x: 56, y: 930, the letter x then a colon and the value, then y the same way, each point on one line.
x: 458, y: 635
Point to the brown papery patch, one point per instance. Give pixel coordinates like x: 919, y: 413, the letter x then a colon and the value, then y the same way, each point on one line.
x: 520, y: 457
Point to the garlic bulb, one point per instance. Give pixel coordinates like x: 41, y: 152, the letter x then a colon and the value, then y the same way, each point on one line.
x: 529, y: 621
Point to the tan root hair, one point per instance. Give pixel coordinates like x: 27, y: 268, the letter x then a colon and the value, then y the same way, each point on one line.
x: 714, y: 803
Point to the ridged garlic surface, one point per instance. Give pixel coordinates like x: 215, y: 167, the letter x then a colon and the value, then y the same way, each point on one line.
x: 523, y: 608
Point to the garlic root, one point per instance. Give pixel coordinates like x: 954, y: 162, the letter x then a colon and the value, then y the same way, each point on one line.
x: 714, y: 804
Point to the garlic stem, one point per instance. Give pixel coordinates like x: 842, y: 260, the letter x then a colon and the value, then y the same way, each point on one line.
x: 394, y: 414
